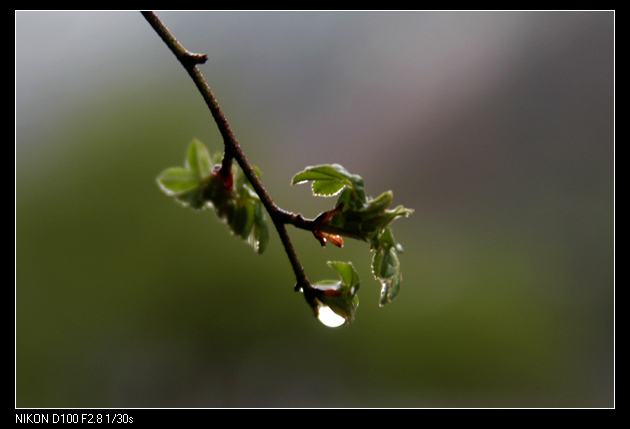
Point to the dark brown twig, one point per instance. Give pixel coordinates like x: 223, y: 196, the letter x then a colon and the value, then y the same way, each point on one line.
x: 233, y: 150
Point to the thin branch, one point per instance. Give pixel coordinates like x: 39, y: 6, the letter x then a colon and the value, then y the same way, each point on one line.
x: 184, y: 56
x: 189, y: 61
x: 233, y: 150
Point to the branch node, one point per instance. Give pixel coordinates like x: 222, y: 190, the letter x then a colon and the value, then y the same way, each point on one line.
x: 193, y: 59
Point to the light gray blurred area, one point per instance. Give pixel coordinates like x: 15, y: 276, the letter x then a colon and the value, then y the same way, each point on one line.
x: 496, y: 127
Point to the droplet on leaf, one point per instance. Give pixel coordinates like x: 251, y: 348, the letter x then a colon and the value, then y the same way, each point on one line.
x: 329, y: 317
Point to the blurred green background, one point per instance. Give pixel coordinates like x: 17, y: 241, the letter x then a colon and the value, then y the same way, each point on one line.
x: 497, y: 128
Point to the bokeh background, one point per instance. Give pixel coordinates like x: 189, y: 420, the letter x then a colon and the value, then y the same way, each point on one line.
x: 496, y: 127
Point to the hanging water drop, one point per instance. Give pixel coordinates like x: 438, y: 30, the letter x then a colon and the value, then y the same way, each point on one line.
x: 329, y: 317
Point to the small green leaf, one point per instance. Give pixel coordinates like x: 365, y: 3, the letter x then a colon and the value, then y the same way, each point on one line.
x: 198, y: 159
x: 242, y: 220
x: 379, y: 203
x: 386, y: 265
x: 326, y: 188
x: 260, y: 236
x: 338, y: 296
x: 322, y: 172
x: 347, y: 272
x: 390, y: 264
x: 329, y: 180
x: 177, y: 181
x: 386, y: 238
x: 249, y: 208
x: 390, y: 288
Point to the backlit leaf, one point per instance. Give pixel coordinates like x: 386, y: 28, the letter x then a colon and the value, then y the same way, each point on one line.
x: 201, y: 184
x: 260, y: 235
x: 177, y: 181
x: 348, y: 274
x: 390, y: 288
x: 198, y: 159
x: 338, y: 296
x: 329, y: 180
x: 326, y: 188
x: 386, y: 265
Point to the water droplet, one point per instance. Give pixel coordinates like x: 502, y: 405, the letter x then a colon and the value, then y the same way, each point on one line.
x: 329, y: 317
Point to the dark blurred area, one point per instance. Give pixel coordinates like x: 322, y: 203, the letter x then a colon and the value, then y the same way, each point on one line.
x: 496, y: 127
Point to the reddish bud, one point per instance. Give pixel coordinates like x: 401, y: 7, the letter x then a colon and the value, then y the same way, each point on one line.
x: 227, y: 179
x: 324, y: 237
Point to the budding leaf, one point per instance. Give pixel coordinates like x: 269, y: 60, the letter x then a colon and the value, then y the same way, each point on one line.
x: 242, y: 220
x: 347, y: 273
x: 369, y: 220
x: 177, y: 181
x: 198, y: 159
x: 329, y: 180
x: 260, y: 236
x: 386, y: 265
x: 338, y: 296
x: 359, y: 217
x: 200, y: 184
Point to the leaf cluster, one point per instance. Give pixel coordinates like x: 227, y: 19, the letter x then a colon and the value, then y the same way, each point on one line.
x: 201, y: 183
x: 358, y: 216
